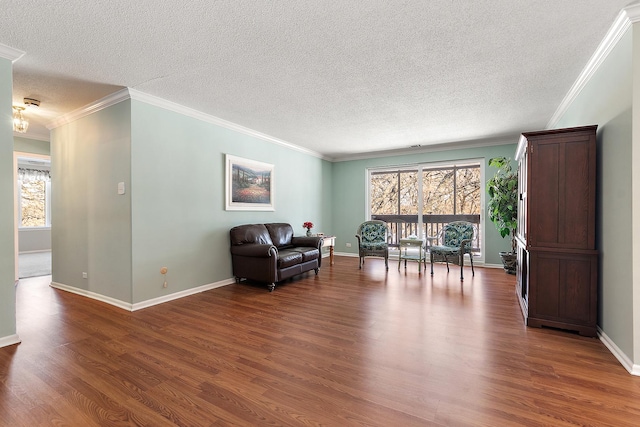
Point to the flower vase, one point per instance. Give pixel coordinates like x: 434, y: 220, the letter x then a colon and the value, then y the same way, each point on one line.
x: 308, y: 232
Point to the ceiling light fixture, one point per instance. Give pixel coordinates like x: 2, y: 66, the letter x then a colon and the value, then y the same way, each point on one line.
x: 31, y: 103
x: 20, y: 124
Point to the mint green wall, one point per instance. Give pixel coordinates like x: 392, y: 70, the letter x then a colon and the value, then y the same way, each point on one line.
x: 172, y: 214
x: 7, y: 256
x: 607, y: 102
x: 34, y: 146
x: 350, y: 186
x: 91, y: 223
x: 178, y: 208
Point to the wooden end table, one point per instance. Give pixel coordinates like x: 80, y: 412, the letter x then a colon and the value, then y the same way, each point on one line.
x: 330, y: 242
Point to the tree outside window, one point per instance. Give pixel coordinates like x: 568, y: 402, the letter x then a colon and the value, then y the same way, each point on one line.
x: 34, y: 187
x: 32, y: 204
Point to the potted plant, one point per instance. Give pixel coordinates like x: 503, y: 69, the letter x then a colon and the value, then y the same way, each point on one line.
x: 503, y: 206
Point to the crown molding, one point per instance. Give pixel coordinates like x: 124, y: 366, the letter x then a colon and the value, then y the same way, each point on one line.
x: 136, y: 95
x: 10, y: 53
x: 101, y: 104
x: 448, y: 146
x: 190, y: 112
x: 623, y: 22
x: 35, y: 136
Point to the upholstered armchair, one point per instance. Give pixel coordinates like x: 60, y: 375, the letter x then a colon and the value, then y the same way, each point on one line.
x: 373, y: 241
x: 451, y: 244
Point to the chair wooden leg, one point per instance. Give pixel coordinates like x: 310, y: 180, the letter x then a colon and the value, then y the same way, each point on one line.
x: 461, y: 260
x: 431, y: 259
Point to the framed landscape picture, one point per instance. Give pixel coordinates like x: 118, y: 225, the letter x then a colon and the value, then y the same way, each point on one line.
x: 249, y: 185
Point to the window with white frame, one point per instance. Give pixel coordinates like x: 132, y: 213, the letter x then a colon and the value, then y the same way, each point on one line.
x: 419, y: 199
x: 34, y: 197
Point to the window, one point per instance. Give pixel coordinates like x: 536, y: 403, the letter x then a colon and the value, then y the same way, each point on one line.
x: 394, y: 192
x: 419, y: 200
x: 34, y: 195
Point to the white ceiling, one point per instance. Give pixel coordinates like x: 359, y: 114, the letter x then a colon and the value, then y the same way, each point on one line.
x: 338, y: 77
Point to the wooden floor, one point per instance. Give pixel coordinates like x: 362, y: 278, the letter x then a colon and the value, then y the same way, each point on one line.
x: 348, y: 347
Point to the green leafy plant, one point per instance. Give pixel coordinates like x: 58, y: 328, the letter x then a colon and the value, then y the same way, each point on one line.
x: 503, y: 198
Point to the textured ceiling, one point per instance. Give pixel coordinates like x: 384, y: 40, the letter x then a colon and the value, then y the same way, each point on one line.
x: 338, y: 77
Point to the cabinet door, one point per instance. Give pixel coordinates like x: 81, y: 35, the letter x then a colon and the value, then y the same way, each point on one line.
x: 521, y: 230
x: 522, y: 277
x: 561, y: 191
x: 563, y: 288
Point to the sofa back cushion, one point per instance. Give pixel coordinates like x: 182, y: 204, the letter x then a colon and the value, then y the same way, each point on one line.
x: 281, y: 234
x: 250, y: 234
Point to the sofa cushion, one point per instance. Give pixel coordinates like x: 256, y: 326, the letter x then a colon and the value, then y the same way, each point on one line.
x: 250, y: 234
x: 281, y: 234
x: 308, y: 254
x: 288, y: 257
x: 376, y: 246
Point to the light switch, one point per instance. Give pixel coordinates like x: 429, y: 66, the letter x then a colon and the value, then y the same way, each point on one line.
x: 121, y: 188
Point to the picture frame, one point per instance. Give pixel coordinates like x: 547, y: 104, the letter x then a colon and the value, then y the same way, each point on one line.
x: 249, y: 185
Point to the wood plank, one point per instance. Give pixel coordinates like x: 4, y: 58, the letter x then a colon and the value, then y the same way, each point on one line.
x: 346, y: 347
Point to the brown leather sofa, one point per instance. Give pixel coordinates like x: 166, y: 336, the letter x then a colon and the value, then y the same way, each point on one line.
x: 271, y: 253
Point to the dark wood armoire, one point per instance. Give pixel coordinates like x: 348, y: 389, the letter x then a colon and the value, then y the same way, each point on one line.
x: 557, y: 270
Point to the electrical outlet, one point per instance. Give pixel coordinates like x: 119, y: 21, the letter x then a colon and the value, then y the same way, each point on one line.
x: 84, y: 275
x: 348, y: 245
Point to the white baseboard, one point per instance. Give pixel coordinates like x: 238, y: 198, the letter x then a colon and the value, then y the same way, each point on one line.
x: 93, y: 295
x: 9, y: 340
x: 500, y: 266
x: 634, y: 369
x: 144, y: 304
x: 349, y: 254
x: 181, y: 294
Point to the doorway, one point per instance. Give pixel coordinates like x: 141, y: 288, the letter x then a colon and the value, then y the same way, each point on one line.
x: 32, y: 215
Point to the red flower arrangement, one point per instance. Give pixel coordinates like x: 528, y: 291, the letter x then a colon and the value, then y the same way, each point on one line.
x: 308, y: 225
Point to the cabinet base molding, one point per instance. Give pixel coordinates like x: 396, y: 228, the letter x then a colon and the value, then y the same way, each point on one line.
x: 586, y: 331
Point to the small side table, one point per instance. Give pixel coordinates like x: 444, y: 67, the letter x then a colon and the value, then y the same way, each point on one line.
x: 330, y: 242
x: 413, y: 250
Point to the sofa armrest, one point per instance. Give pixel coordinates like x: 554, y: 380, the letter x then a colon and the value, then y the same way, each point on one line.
x: 307, y: 241
x: 257, y: 250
